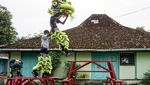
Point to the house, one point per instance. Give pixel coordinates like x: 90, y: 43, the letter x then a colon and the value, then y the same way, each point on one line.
x: 99, y: 37
x: 3, y: 62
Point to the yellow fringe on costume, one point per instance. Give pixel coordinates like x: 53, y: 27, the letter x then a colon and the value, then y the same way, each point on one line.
x: 61, y: 38
x: 44, y: 64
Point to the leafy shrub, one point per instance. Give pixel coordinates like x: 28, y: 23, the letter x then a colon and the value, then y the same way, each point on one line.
x: 55, y: 60
x: 83, y: 75
x: 146, y: 78
x: 67, y: 67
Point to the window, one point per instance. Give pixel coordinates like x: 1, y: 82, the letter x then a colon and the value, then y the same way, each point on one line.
x: 95, y: 21
x: 127, y: 59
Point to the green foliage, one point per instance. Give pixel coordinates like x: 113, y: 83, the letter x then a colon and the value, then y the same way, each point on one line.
x: 141, y: 29
x: 55, y: 59
x: 67, y: 67
x: 83, y: 75
x: 29, y: 36
x: 7, y: 32
x: 146, y: 78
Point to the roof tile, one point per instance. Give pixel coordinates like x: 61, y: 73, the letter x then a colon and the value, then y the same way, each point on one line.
x: 105, y: 33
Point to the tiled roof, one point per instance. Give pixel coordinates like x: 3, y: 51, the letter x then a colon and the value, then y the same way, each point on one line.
x: 99, y: 31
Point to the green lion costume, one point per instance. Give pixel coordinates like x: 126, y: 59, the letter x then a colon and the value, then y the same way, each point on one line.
x: 44, y: 65
x: 60, y: 8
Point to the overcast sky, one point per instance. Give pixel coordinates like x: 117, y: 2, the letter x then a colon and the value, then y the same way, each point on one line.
x: 30, y: 16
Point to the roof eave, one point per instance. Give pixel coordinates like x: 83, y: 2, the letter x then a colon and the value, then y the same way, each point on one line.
x: 94, y: 50
x: 105, y: 50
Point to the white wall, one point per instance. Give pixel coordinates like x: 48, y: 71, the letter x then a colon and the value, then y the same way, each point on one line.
x: 127, y: 72
x: 143, y: 63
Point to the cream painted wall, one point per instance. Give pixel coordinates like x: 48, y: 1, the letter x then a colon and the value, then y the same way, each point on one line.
x: 15, y: 55
x: 60, y: 72
x: 143, y: 63
x: 84, y: 56
x: 127, y: 72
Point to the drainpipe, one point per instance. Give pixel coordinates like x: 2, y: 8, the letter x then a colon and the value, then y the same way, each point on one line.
x: 8, y: 69
x: 75, y: 56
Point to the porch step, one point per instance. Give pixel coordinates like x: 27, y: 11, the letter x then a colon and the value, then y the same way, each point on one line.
x: 89, y: 82
x: 83, y: 82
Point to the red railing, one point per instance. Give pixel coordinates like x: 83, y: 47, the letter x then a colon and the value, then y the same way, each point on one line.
x: 29, y: 81
x: 111, y: 81
x: 71, y: 79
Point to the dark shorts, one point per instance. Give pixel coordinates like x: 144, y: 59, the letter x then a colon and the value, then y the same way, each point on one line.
x: 44, y: 50
x: 53, y: 22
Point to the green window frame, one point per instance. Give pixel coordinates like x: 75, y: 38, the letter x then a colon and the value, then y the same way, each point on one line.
x: 127, y: 58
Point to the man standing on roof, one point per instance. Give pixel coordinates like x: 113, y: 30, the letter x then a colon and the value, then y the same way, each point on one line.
x: 45, y: 42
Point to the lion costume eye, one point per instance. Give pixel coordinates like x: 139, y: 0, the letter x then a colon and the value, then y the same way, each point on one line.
x: 55, y: 3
